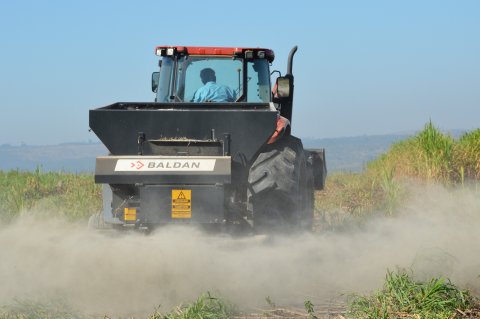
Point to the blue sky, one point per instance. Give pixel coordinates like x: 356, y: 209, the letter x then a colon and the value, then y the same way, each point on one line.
x: 363, y: 67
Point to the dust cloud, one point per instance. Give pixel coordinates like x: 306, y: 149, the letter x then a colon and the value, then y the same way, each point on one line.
x: 436, y: 233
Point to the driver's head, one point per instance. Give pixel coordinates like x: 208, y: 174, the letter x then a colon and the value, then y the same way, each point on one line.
x: 207, y: 75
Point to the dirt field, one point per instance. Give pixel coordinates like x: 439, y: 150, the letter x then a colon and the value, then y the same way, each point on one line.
x: 436, y: 234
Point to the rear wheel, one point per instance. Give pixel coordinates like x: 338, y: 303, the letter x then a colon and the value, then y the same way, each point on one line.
x: 280, y: 192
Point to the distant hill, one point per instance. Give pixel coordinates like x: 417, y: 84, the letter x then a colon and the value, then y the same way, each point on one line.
x: 343, y: 153
x: 71, y: 157
x: 352, y: 153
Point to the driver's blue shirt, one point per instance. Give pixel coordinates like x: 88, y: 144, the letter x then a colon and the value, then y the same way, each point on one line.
x: 214, y: 92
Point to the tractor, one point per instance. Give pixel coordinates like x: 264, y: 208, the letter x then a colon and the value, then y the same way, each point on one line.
x: 214, y: 148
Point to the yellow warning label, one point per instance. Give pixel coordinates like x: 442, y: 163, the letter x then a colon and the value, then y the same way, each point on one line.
x: 129, y: 214
x: 181, y: 203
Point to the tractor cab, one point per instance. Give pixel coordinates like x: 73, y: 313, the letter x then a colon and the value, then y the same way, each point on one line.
x: 244, y: 73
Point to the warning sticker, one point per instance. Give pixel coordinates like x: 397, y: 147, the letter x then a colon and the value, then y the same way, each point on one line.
x: 181, y: 203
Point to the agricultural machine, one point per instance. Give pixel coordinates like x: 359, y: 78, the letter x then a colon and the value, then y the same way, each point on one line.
x: 214, y: 148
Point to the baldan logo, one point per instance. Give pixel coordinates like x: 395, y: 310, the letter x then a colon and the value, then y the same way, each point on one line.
x: 175, y: 164
x: 137, y: 165
x: 165, y: 165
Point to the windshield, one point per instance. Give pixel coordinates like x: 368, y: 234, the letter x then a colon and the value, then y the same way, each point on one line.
x: 213, y: 79
x: 209, y: 79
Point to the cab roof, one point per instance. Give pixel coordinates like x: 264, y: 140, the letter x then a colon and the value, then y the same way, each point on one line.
x: 167, y: 50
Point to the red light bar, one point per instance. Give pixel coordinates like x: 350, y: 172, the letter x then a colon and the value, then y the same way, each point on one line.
x: 222, y: 51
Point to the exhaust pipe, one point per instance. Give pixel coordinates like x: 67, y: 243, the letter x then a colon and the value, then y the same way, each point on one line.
x: 290, y: 60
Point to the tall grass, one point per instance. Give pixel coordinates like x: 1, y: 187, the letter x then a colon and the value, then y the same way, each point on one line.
x: 433, y: 156
x: 467, y: 155
x: 346, y: 198
x: 206, y: 306
x: 430, y: 156
x: 349, y: 197
x: 75, y: 196
x: 403, y: 297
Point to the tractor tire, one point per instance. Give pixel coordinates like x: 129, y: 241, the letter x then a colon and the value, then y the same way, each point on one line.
x: 280, y: 192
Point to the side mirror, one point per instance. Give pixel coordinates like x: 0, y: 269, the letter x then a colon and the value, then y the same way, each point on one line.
x: 155, y: 80
x: 283, y: 87
x: 283, y: 90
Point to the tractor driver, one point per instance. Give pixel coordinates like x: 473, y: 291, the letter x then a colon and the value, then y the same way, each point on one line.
x: 211, y: 91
